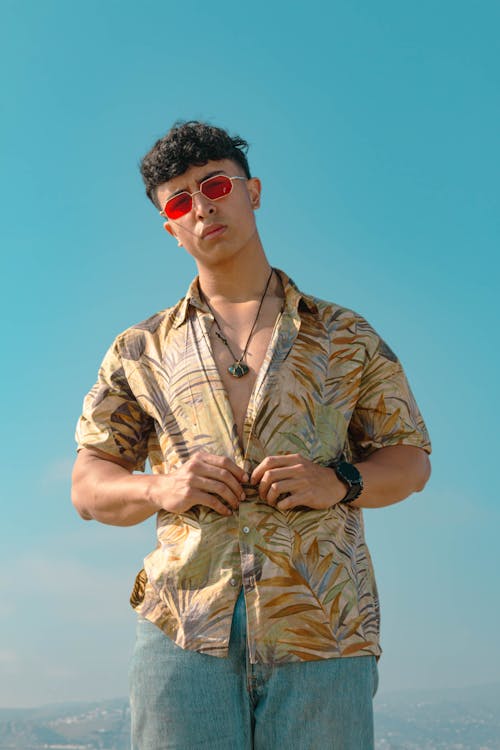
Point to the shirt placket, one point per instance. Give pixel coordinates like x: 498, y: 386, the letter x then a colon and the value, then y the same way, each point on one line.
x: 250, y: 511
x: 226, y: 438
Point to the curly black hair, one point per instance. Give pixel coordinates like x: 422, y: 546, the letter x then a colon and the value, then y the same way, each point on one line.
x: 187, y: 144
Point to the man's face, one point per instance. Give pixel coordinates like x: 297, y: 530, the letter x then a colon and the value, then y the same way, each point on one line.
x: 213, y: 230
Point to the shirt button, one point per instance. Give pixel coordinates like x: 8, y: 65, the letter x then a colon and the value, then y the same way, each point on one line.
x: 233, y: 582
x: 245, y: 529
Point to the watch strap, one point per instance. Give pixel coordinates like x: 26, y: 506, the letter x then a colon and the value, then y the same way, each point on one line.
x: 351, y: 477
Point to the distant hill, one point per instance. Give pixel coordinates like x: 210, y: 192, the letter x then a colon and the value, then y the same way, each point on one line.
x: 104, y: 725
x: 453, y: 719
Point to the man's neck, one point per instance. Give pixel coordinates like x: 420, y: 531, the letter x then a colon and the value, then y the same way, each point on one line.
x: 238, y: 279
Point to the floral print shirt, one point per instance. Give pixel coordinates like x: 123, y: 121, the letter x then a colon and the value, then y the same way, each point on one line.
x: 328, y: 386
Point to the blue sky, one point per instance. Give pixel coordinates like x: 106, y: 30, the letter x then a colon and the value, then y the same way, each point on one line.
x: 374, y: 129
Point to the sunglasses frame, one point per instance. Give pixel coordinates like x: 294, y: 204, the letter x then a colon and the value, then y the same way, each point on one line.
x: 185, y: 192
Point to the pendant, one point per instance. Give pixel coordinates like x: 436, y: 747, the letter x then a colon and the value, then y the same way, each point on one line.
x: 238, y: 369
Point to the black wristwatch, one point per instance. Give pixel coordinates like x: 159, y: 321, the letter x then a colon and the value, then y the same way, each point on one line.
x: 351, y: 477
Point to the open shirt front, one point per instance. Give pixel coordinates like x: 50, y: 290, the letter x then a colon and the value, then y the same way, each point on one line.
x: 328, y: 386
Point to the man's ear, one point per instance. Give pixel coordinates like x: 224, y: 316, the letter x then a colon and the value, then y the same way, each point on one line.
x: 168, y: 226
x: 254, y: 190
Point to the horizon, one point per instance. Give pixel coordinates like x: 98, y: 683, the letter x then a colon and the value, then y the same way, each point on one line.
x: 380, y: 695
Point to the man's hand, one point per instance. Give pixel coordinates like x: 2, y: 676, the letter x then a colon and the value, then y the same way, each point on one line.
x: 205, y: 479
x: 106, y: 489
x: 304, y: 483
x: 389, y: 475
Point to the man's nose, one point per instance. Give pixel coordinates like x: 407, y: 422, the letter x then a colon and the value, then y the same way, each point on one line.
x: 202, y: 205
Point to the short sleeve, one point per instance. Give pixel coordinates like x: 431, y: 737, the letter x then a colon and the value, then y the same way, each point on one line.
x: 386, y: 412
x: 112, y: 420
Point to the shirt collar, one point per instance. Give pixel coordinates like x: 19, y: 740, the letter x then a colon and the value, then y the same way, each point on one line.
x: 294, y: 299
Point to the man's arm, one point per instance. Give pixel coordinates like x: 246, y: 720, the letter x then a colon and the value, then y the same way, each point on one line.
x: 106, y: 489
x: 389, y: 476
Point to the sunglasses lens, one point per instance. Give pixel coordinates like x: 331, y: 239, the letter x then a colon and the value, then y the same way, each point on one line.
x: 178, y: 205
x: 216, y: 187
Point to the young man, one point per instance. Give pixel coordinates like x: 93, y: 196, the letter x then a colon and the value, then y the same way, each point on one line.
x: 270, y: 419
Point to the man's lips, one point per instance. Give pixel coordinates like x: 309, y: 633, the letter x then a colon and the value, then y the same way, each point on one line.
x: 213, y: 229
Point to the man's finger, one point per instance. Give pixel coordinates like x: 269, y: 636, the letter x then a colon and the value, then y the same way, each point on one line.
x: 272, y: 476
x: 220, y: 489
x: 294, y: 501
x: 278, y: 489
x: 272, y: 462
x: 223, y: 462
x: 212, y: 502
x: 219, y: 474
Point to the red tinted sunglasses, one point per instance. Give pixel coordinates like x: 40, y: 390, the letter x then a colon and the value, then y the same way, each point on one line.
x: 212, y: 188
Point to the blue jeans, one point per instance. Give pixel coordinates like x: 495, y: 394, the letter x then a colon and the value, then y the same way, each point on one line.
x: 190, y: 701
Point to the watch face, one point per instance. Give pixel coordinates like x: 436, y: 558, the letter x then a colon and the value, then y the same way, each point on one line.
x: 348, y: 471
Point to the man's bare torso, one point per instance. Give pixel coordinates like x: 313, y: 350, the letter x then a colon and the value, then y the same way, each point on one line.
x: 236, y: 319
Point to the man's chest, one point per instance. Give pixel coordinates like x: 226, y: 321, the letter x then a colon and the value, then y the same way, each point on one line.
x: 292, y: 399
x: 239, y: 389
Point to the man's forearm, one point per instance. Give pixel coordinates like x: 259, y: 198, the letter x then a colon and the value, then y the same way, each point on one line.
x: 110, y: 493
x: 391, y: 474
x: 107, y: 492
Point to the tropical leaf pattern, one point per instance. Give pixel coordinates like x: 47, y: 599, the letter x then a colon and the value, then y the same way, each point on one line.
x: 328, y: 386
